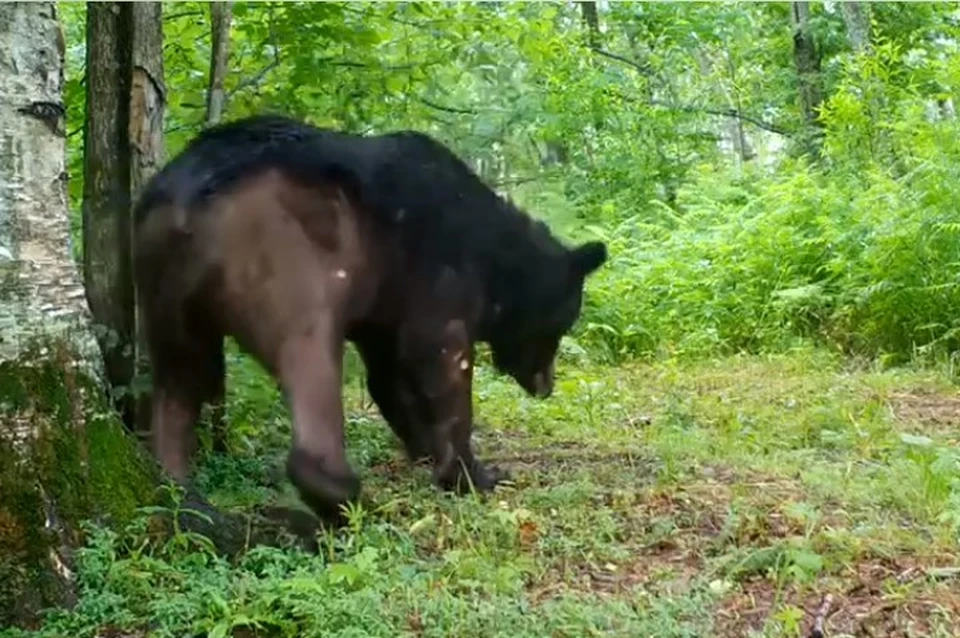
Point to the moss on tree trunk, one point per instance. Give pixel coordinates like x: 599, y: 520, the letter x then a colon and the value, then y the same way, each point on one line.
x: 64, y: 458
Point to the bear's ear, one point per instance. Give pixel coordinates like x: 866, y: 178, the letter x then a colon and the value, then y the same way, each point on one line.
x: 589, y: 256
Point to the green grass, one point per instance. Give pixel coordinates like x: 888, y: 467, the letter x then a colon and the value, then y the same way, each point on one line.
x: 720, y: 498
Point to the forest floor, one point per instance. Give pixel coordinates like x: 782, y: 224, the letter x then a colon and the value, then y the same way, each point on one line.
x: 740, y: 497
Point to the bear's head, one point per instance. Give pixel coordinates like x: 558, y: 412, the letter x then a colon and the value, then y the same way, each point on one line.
x: 528, y: 336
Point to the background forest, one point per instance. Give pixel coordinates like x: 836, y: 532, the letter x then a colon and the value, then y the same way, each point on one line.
x: 757, y: 408
x: 767, y: 173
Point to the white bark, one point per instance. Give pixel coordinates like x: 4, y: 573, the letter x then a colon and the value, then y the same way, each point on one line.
x: 41, y: 293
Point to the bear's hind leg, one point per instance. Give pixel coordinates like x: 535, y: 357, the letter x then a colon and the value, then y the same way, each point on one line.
x: 390, y: 389
x: 185, y: 375
x: 174, y: 411
x: 310, y: 371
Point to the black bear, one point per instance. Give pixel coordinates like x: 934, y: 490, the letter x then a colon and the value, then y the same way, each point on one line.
x: 294, y: 239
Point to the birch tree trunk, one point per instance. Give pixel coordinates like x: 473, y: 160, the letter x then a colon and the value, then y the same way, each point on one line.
x: 64, y: 456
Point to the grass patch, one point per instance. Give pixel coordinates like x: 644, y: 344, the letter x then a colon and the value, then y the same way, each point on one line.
x: 718, y: 498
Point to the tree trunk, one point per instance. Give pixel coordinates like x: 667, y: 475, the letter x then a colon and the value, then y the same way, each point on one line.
x: 106, y: 192
x: 738, y: 133
x: 856, y: 18
x: 144, y: 141
x: 220, y: 17
x: 65, y: 457
x: 592, y: 20
x: 733, y: 125
x: 123, y: 147
x: 806, y: 60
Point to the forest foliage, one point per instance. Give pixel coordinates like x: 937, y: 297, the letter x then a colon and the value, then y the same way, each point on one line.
x: 675, y: 131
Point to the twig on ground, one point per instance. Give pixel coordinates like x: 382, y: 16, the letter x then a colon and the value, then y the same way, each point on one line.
x: 908, y: 575
x: 822, y: 613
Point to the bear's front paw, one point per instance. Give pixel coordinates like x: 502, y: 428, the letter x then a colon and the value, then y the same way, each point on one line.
x: 478, y: 477
x: 487, y: 477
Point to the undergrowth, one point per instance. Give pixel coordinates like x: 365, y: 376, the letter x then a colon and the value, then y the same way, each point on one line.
x: 673, y: 499
x: 868, y: 264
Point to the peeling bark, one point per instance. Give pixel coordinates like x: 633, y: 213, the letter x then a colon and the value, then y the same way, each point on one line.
x: 221, y: 14
x: 123, y: 147
x: 147, y: 94
x: 147, y: 101
x: 107, y: 266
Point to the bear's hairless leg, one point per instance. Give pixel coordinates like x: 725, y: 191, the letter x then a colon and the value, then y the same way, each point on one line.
x: 173, y: 415
x: 310, y: 371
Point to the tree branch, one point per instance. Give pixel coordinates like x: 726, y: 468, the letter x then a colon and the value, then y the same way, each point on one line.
x: 258, y: 78
x: 422, y: 24
x: 446, y: 109
x: 271, y: 41
x: 515, y: 181
x: 728, y: 112
x: 642, y: 67
x: 381, y: 67
x: 183, y: 14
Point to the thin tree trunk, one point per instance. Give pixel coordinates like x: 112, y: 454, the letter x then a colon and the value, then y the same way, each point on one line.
x: 220, y: 17
x: 64, y: 459
x: 592, y: 20
x: 737, y: 131
x: 856, y: 18
x: 806, y: 60
x: 733, y: 124
x: 107, y: 262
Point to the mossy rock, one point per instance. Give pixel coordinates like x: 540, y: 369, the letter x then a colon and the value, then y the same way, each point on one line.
x: 65, y: 457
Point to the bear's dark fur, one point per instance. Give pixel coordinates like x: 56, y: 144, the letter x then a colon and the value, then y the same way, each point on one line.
x: 293, y: 239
